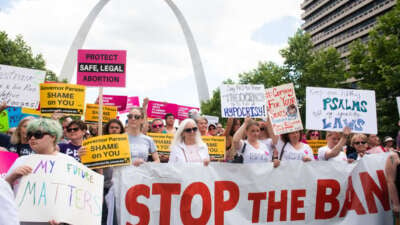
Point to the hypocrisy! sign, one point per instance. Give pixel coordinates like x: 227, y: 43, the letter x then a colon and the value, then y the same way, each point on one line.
x: 327, y: 193
x: 332, y: 109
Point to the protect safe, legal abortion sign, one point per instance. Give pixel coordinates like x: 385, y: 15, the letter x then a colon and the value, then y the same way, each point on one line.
x: 331, y: 109
x: 101, y: 68
x: 239, y: 101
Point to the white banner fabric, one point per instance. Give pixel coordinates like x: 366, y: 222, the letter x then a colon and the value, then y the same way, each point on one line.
x: 317, y: 192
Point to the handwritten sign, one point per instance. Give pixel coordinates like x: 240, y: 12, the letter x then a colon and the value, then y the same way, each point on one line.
x: 6, y: 161
x: 182, y: 112
x: 216, y: 146
x: 4, y: 121
x: 102, y: 68
x: 68, y: 98
x: 116, y: 100
x: 160, y: 109
x: 15, y: 115
x: 316, y: 144
x: 92, y: 113
x: 20, y: 86
x: 162, y: 141
x: 283, y: 110
x: 106, y: 151
x: 60, y: 188
x: 212, y: 119
x: 332, y: 109
x: 239, y: 101
x: 398, y: 104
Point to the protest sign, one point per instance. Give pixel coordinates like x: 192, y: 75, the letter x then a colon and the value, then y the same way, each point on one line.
x: 212, y: 119
x: 283, y: 110
x: 131, y: 102
x: 4, y: 121
x: 216, y: 146
x: 92, y: 113
x: 398, y: 104
x: 68, y: 98
x: 332, y: 109
x: 20, y: 86
x: 162, y: 141
x: 6, y: 161
x: 316, y: 144
x: 101, y: 68
x: 239, y: 101
x: 327, y: 193
x: 116, y: 100
x: 106, y: 151
x: 160, y: 109
x: 31, y: 111
x: 61, y: 189
x: 15, y: 115
x: 182, y: 112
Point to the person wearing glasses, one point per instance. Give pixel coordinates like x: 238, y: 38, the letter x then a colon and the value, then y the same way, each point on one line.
x: 157, y: 126
x: 18, y: 141
x: 187, y: 145
x: 336, y: 141
x: 140, y: 145
x: 360, y: 143
x: 314, y: 135
x: 42, y: 135
x: 76, y: 131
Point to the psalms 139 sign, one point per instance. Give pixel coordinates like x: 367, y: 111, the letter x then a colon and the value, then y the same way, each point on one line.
x: 102, y: 68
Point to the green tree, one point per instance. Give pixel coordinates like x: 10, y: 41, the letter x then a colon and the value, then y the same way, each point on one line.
x: 377, y: 66
x: 17, y: 53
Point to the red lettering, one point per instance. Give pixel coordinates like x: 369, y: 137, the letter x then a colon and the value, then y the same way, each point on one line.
x: 220, y: 205
x: 351, y: 202
x: 297, y: 204
x: 256, y: 197
x: 323, y: 198
x: 273, y: 205
x: 371, y: 188
x: 186, y: 203
x: 135, y: 208
x: 165, y: 190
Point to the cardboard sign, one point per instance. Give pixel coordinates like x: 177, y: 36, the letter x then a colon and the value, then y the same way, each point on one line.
x: 398, y: 104
x: 6, y: 161
x: 162, y: 141
x: 212, y: 119
x: 31, y: 111
x: 68, y: 98
x: 239, y: 101
x: 15, y: 115
x: 131, y: 102
x: 61, y: 189
x: 116, y: 100
x: 283, y: 110
x: 101, y: 68
x: 216, y: 146
x: 92, y: 113
x: 316, y: 144
x: 4, y: 121
x: 332, y: 109
x: 20, y: 86
x: 182, y: 112
x: 107, y: 151
x: 160, y: 109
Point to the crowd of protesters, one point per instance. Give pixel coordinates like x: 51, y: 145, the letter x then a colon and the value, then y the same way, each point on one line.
x: 247, y: 141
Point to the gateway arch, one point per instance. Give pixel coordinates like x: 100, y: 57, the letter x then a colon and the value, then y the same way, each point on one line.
x: 68, y: 68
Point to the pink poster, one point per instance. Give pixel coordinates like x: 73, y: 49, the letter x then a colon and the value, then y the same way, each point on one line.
x: 131, y: 102
x: 102, y: 68
x: 159, y: 109
x: 116, y: 100
x: 182, y: 111
x: 6, y: 161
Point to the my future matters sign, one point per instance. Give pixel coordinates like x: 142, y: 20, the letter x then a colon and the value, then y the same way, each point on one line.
x: 332, y: 109
x: 102, y: 68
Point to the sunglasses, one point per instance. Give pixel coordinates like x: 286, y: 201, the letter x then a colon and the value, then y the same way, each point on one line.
x: 157, y: 125
x: 190, y: 130
x: 360, y: 143
x: 37, y: 134
x: 131, y: 116
x: 315, y: 134
x: 262, y: 128
x: 114, y: 127
x: 69, y: 130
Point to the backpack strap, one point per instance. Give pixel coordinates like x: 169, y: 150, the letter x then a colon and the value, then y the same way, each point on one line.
x: 283, y: 149
x: 243, y: 148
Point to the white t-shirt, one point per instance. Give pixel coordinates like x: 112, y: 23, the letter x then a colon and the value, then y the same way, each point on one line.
x: 269, y: 144
x: 253, y: 155
x: 141, y: 146
x: 290, y: 153
x: 322, y: 151
x: 8, y: 208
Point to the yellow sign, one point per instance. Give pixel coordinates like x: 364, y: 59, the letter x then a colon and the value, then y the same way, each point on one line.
x: 162, y: 141
x: 92, y: 113
x: 68, y: 98
x: 31, y: 111
x: 107, y: 151
x: 216, y: 146
x: 316, y: 144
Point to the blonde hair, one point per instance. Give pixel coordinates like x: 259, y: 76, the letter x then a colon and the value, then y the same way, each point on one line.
x: 16, y: 137
x: 357, y: 136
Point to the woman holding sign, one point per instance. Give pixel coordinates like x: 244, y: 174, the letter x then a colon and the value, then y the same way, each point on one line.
x: 140, y: 145
x: 42, y: 135
x: 335, y: 143
x: 187, y: 145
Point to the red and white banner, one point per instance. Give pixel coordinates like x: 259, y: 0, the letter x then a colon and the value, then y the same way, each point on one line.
x: 221, y: 193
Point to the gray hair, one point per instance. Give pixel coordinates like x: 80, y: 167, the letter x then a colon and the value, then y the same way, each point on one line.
x: 178, y: 137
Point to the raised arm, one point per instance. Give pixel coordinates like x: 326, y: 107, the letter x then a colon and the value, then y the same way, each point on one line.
x: 336, y: 150
x: 274, y: 137
x: 144, y: 107
x: 228, y: 127
x: 237, y: 137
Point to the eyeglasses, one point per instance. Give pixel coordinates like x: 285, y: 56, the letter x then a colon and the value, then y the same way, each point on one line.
x: 190, y: 130
x: 360, y: 143
x: 37, y: 134
x: 157, y: 125
x: 262, y: 128
x: 114, y: 127
x: 315, y: 134
x: 211, y: 128
x: 75, y: 129
x: 131, y: 116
